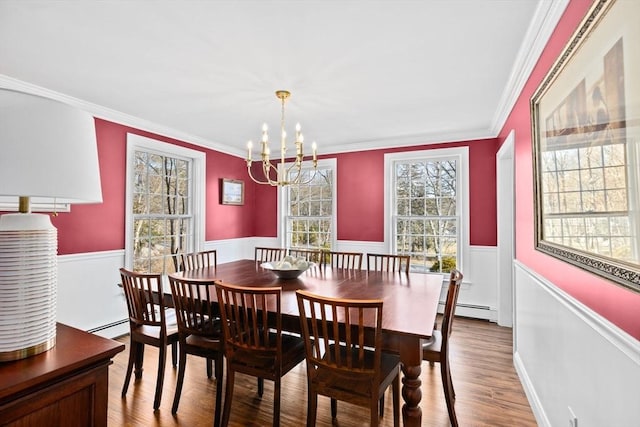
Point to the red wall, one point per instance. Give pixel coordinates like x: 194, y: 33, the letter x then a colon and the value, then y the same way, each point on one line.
x: 100, y: 227
x: 361, y: 192
x: 619, y: 305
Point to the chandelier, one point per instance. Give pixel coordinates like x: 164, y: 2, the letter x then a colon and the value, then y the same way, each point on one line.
x: 283, y: 175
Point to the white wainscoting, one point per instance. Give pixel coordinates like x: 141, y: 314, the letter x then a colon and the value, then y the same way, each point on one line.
x: 94, y: 277
x: 89, y: 297
x: 568, y: 356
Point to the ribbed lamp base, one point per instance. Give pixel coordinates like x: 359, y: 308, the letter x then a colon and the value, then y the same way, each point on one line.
x: 28, y: 285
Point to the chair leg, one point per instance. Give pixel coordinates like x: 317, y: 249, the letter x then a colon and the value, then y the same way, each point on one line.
x: 219, y: 374
x: 174, y: 354
x: 276, y: 403
x: 312, y: 406
x: 139, y: 360
x: 373, y: 410
x: 334, y: 409
x: 181, y: 370
x: 260, y: 386
x: 133, y: 350
x: 396, y: 401
x: 448, y: 391
x: 228, y: 397
x: 210, y: 368
x: 162, y: 360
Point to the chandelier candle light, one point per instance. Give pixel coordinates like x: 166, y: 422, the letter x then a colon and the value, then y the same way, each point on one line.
x: 283, y: 175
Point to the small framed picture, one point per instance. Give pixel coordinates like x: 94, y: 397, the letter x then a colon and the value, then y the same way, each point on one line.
x: 232, y: 192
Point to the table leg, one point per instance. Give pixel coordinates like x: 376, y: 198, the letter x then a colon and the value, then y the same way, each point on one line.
x: 412, y: 394
x: 410, y: 350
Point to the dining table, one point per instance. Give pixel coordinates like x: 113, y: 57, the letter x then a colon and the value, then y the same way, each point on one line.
x: 410, y: 304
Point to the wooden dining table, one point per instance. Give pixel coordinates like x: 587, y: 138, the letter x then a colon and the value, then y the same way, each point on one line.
x: 409, y: 309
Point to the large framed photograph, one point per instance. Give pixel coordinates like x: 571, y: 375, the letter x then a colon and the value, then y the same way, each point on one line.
x: 232, y: 192
x: 586, y: 139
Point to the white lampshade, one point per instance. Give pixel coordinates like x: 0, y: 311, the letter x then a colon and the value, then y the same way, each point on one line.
x: 47, y: 150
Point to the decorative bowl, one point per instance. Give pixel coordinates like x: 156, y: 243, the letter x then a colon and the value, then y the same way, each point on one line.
x: 288, y: 273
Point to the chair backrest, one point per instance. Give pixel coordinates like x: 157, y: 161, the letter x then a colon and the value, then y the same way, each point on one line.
x: 344, y: 346
x: 251, y: 338
x: 312, y: 255
x: 386, y: 262
x: 197, y: 260
x: 455, y: 280
x: 345, y: 260
x: 141, y: 291
x: 195, y: 312
x: 269, y: 254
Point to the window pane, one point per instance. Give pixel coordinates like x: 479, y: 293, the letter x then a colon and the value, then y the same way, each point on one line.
x: 425, y: 197
x: 161, y: 205
x: 309, y: 211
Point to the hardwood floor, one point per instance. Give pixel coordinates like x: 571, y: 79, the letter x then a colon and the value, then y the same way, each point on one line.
x: 488, y: 391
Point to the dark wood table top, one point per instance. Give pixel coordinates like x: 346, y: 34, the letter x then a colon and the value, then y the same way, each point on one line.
x: 410, y: 301
x: 74, y: 350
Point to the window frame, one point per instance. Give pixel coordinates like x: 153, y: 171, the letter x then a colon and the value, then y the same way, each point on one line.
x: 197, y: 190
x: 461, y: 156
x: 283, y: 200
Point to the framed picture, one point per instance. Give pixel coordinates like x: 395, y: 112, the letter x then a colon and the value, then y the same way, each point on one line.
x: 586, y: 147
x: 232, y: 192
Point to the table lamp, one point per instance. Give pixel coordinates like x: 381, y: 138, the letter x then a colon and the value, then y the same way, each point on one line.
x: 48, y: 151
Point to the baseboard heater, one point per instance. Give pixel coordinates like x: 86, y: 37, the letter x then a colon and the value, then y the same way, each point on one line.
x: 107, y: 326
x: 474, y: 306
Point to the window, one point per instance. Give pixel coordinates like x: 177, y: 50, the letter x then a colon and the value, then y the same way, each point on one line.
x: 164, y: 204
x: 428, y: 199
x: 310, y: 209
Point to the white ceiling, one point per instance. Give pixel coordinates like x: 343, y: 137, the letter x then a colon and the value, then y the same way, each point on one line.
x: 363, y: 74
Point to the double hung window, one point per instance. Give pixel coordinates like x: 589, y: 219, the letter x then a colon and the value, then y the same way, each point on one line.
x: 309, y: 209
x: 161, y: 204
x: 428, y: 204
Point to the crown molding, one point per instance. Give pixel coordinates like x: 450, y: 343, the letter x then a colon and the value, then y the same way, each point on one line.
x: 546, y: 18
x: 105, y: 113
x: 438, y: 137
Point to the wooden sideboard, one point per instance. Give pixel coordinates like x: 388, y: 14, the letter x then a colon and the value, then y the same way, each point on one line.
x: 66, y: 386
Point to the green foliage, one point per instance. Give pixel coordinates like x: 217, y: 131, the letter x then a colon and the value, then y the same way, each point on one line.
x: 448, y: 264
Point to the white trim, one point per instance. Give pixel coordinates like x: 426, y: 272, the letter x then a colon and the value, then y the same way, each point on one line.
x: 547, y: 16
x: 198, y: 188
x: 90, y: 256
x: 505, y: 192
x: 461, y: 154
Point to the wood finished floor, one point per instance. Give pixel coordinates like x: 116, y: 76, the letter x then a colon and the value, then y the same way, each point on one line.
x: 488, y: 390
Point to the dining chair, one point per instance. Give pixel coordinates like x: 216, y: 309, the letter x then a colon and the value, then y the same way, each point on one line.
x: 199, y: 331
x: 150, y: 323
x: 311, y: 255
x: 254, y: 343
x: 195, y: 260
x: 342, y: 361
x: 269, y: 254
x: 388, y: 262
x: 344, y: 260
x: 437, y: 348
